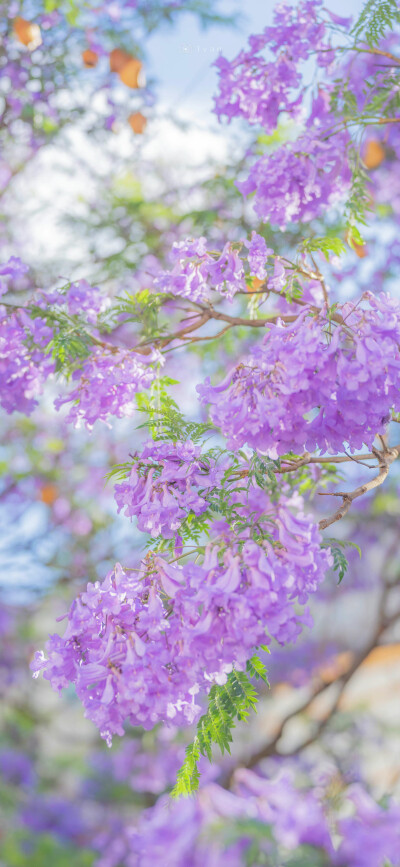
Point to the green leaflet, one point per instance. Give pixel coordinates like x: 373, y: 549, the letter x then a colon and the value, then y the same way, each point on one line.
x: 227, y: 703
x: 326, y: 245
x: 376, y: 18
x: 340, y: 562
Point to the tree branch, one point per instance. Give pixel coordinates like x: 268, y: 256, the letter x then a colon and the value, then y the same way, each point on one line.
x: 386, y: 458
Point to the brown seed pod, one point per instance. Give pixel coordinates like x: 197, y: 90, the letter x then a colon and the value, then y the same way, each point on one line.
x: 118, y: 59
x: 27, y: 33
x: 138, y: 122
x: 130, y: 73
x: 374, y: 154
x: 90, y: 58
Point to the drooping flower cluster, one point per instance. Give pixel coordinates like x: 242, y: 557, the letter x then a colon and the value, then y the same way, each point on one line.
x: 140, y: 648
x: 167, y: 481
x: 258, y: 255
x: 259, y: 90
x: 106, y: 385
x: 196, y: 271
x: 302, y: 388
x: 300, y: 179
x: 82, y: 298
x: 77, y: 299
x: 11, y: 270
x: 24, y: 368
x: 277, y: 815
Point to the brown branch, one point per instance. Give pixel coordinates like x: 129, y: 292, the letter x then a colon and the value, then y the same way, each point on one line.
x: 386, y: 458
x: 306, y: 459
x: 378, y: 52
x: 384, y: 622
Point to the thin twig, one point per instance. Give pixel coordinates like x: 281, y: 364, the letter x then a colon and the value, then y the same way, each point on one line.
x: 385, y: 458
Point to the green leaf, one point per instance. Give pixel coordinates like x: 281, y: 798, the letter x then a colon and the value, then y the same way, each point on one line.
x: 227, y: 703
x: 376, y: 18
x: 325, y: 245
x: 340, y: 563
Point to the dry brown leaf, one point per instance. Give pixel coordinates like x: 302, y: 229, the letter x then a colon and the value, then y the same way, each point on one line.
x: 48, y: 493
x: 118, y: 59
x: 361, y: 250
x: 130, y: 73
x: 27, y: 33
x: 374, y: 154
x: 255, y: 284
x: 138, y: 122
x: 90, y: 58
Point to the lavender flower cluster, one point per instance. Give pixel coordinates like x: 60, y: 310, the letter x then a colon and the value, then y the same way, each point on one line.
x: 167, y: 481
x: 24, y: 368
x: 196, y: 271
x: 310, y: 386
x: 106, y: 385
x: 258, y: 90
x: 298, y: 179
x: 139, y: 648
x: 207, y: 829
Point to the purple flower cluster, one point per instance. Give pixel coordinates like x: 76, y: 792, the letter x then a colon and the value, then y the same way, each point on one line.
x: 258, y: 90
x: 299, y: 180
x: 193, y: 832
x: 371, y: 835
x: 80, y: 299
x: 11, y: 270
x: 106, y: 385
x: 24, y: 368
x: 84, y: 298
x: 304, y: 388
x: 196, y: 271
x: 257, y: 255
x: 167, y: 481
x: 139, y: 648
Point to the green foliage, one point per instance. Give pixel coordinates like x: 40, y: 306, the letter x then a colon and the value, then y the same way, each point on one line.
x: 70, y: 8
x: 340, y: 562
x: 165, y: 421
x: 226, y: 704
x: 70, y: 342
x: 142, y: 307
x: 307, y: 856
x: 354, y: 238
x: 377, y: 17
x: 256, y: 834
x: 261, y: 472
x: 325, y: 245
x: 20, y: 849
x: 358, y: 204
x: 385, y: 99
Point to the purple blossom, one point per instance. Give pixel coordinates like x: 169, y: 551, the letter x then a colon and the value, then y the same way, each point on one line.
x: 259, y: 90
x: 297, y: 390
x: 258, y: 255
x: 82, y: 297
x: 106, y: 385
x: 196, y: 271
x: 372, y: 835
x: 299, y: 180
x: 24, y: 367
x: 167, y: 481
x: 141, y: 648
x: 17, y: 768
x: 11, y: 270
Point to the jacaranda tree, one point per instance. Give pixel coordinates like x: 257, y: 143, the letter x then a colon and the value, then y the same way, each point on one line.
x: 223, y: 370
